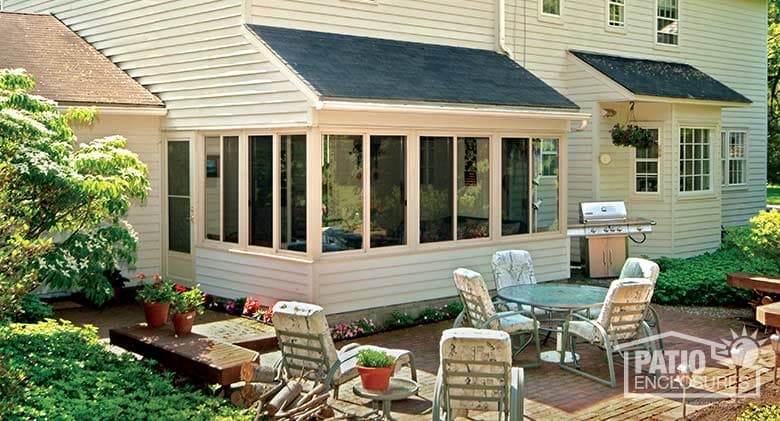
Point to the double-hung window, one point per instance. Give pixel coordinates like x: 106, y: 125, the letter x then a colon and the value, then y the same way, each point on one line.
x: 667, y: 28
x: 733, y: 158
x: 551, y: 7
x: 221, y: 189
x: 695, y: 160
x: 646, y: 167
x: 616, y: 13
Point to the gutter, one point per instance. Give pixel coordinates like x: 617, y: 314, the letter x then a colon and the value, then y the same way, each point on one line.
x: 557, y: 114
x: 152, y: 111
x: 501, y: 29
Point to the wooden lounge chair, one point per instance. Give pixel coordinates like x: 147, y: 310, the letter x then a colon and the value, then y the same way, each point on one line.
x: 482, y: 314
x: 620, y: 321
x: 307, y: 347
x: 476, y: 373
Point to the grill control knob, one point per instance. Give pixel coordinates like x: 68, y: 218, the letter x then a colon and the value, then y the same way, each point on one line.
x: 593, y: 230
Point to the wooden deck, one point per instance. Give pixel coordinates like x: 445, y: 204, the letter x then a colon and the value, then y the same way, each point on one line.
x: 213, y: 352
x: 751, y: 281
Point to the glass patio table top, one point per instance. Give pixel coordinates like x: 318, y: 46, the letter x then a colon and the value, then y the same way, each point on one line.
x: 554, y: 295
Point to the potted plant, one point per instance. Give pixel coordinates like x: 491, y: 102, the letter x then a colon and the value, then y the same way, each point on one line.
x: 375, y: 368
x: 156, y: 299
x: 632, y: 135
x: 185, y: 304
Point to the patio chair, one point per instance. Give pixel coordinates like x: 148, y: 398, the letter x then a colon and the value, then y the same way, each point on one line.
x: 482, y: 314
x: 476, y: 373
x: 620, y: 321
x: 514, y: 267
x: 307, y: 347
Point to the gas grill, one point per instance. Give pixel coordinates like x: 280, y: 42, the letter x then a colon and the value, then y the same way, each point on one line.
x: 606, y: 229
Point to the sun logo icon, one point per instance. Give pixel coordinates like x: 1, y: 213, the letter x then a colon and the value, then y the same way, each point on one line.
x: 743, y: 350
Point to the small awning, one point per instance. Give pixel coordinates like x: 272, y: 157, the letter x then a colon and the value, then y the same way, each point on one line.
x: 661, y: 79
x: 344, y: 67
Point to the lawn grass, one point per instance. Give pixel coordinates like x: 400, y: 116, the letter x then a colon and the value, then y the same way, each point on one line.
x: 772, y: 194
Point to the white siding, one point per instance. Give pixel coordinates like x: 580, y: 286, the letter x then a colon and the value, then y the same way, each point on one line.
x: 144, y: 138
x: 365, y: 282
x: 192, y: 54
x: 460, y: 23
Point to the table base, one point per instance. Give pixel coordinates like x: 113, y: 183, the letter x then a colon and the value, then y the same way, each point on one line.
x: 555, y: 357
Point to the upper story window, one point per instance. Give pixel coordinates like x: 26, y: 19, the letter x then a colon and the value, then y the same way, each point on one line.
x: 695, y: 160
x: 551, y: 7
x: 667, y: 22
x: 733, y: 158
x: 616, y: 13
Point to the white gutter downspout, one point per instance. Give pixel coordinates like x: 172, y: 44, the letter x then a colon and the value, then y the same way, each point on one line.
x: 501, y: 29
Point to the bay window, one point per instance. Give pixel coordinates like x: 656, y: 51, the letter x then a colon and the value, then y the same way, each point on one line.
x: 695, y: 161
x: 733, y: 158
x: 221, y: 188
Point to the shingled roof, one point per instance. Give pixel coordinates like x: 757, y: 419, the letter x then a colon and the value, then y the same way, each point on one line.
x: 66, y: 68
x: 660, y: 78
x: 340, y: 66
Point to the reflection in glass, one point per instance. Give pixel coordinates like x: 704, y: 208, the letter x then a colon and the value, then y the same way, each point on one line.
x: 436, y: 204
x: 473, y: 188
x: 388, y: 190
x: 213, y: 189
x: 342, y: 192
x: 230, y: 187
x: 514, y: 186
x: 545, y: 187
x: 293, y: 192
x: 261, y: 191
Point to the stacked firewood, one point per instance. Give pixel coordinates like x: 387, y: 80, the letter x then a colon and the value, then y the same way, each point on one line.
x: 274, y: 397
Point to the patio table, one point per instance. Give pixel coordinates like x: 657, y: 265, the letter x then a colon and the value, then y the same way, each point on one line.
x: 555, y: 297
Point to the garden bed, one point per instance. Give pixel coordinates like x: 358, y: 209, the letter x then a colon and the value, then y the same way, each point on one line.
x: 732, y: 409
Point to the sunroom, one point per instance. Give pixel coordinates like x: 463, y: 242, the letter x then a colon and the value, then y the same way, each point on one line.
x: 418, y: 159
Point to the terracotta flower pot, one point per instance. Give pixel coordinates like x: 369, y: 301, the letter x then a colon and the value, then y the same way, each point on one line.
x: 156, y: 313
x: 375, y: 378
x: 182, y: 323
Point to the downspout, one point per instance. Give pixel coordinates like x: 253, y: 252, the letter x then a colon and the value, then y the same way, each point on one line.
x: 501, y: 29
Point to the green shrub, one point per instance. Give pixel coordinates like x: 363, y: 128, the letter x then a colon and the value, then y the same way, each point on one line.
x: 701, y: 280
x: 760, y: 413
x: 64, y: 372
x: 765, y: 234
x: 32, y: 310
x: 374, y: 359
x: 400, y: 320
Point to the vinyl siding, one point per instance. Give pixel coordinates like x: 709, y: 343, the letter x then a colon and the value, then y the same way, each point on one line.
x: 459, y: 23
x: 192, y: 54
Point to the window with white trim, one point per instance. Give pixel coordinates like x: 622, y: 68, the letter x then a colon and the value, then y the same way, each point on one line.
x: 667, y: 22
x: 646, y: 167
x: 551, y: 7
x: 221, y: 188
x: 733, y: 157
x: 616, y: 13
x: 695, y: 160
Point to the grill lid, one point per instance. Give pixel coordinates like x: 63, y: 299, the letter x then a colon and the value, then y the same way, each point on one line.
x: 603, y: 211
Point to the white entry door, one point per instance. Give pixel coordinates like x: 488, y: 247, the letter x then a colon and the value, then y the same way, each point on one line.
x: 180, y: 211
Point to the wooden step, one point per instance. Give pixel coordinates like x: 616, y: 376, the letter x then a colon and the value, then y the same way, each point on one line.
x: 769, y: 314
x: 752, y: 281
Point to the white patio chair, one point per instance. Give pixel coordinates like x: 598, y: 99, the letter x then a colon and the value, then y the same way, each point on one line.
x: 510, y: 268
x: 307, y: 347
x: 482, y: 314
x: 620, y: 321
x: 476, y: 373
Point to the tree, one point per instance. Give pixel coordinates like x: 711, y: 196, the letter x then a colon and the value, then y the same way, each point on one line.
x: 773, y: 68
x: 61, y: 204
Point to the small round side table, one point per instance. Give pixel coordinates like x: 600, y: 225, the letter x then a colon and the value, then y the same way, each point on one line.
x: 400, y: 388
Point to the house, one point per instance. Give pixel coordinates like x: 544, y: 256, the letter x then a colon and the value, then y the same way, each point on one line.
x: 353, y: 152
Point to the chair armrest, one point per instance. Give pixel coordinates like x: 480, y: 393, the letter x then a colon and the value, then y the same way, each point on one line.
x: 505, y: 314
x: 437, y: 392
x: 587, y: 320
x: 517, y: 395
x: 348, y: 347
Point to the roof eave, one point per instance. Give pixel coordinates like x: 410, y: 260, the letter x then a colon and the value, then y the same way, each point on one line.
x: 115, y: 109
x: 692, y: 101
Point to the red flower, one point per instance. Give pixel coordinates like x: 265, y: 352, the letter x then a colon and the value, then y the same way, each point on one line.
x: 140, y: 276
x: 180, y: 288
x: 158, y: 277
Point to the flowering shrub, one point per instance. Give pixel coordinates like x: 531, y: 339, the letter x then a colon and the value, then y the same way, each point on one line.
x: 353, y: 329
x: 252, y: 306
x: 399, y: 320
x: 160, y: 291
x: 632, y: 135
x: 185, y: 300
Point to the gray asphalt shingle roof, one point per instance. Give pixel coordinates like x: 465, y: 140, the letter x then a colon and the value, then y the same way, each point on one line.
x: 352, y: 67
x: 660, y: 78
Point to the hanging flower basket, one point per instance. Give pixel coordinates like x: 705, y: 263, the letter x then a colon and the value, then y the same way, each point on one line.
x: 632, y: 135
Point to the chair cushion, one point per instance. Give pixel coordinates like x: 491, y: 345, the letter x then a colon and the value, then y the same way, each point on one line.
x: 513, y: 267
x: 640, y: 268
x: 585, y: 331
x: 304, y: 318
x: 516, y: 323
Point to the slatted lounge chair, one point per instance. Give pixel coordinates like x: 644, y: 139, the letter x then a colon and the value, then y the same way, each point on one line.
x: 621, y: 321
x: 307, y: 347
x: 476, y: 373
x: 482, y: 314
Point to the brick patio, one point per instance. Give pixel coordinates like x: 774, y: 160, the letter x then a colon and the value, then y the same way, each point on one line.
x: 551, y: 393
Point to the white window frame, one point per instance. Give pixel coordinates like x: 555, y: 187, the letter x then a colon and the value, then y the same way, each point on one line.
x: 726, y: 158
x: 712, y: 159
x: 615, y: 25
x: 202, y: 157
x: 551, y: 17
x: 655, y: 26
x: 657, y: 160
